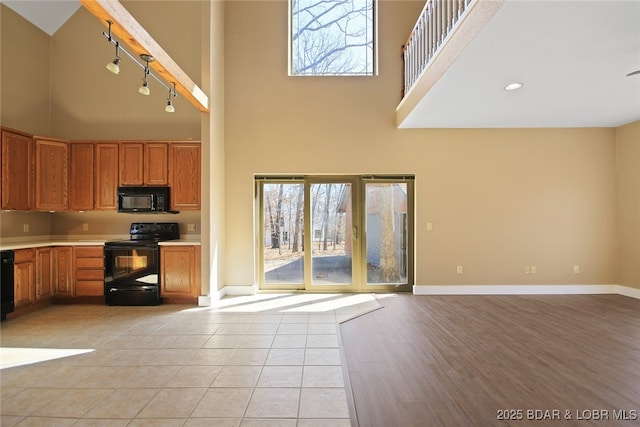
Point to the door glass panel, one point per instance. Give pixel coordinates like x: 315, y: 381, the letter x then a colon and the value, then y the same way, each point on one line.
x: 331, y: 241
x: 283, y: 234
x: 386, y: 233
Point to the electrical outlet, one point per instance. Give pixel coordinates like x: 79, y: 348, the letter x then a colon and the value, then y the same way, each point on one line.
x: 85, y: 226
x: 429, y: 226
x: 191, y: 227
x: 533, y: 269
x: 25, y: 228
x: 459, y: 269
x: 576, y: 269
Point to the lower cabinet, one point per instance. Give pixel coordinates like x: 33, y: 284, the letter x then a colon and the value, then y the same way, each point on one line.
x: 45, y: 273
x: 89, y: 270
x: 64, y: 271
x: 40, y: 273
x: 180, y: 272
x: 24, y: 277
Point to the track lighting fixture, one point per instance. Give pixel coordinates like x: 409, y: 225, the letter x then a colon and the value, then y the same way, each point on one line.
x: 172, y: 93
x: 114, y: 67
x: 144, y: 89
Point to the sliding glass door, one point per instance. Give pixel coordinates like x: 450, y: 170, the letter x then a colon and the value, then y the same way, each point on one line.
x: 335, y: 234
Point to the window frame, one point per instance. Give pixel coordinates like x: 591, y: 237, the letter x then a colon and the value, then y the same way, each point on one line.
x: 374, y: 60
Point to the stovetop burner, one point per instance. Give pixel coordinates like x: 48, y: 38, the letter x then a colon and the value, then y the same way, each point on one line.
x: 151, y: 232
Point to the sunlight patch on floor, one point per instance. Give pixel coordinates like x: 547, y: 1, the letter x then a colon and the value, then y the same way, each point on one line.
x: 18, y: 356
x: 293, y: 303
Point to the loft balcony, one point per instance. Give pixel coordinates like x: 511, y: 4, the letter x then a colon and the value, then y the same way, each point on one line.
x: 576, y: 61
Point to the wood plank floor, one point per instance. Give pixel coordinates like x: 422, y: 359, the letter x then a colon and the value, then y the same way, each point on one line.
x: 463, y: 360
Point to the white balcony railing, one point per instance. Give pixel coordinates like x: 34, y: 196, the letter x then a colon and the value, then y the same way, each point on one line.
x: 436, y: 21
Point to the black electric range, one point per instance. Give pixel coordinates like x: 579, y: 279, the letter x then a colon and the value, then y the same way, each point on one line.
x: 132, y: 267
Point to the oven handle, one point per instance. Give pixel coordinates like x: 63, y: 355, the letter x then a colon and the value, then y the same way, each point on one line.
x: 135, y: 289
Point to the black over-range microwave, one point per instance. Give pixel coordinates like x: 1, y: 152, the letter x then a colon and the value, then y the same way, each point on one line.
x: 144, y: 200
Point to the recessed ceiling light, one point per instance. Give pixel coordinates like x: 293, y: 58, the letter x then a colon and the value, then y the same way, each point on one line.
x: 513, y: 86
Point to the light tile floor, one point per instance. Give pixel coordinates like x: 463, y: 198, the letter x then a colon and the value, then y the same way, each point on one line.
x: 265, y: 360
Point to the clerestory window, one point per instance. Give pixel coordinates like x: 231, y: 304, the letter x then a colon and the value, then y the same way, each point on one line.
x: 332, y: 37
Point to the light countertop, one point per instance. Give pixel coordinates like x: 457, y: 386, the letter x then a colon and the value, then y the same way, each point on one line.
x: 8, y: 244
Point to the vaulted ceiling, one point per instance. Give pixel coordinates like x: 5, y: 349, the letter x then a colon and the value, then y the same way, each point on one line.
x: 572, y: 56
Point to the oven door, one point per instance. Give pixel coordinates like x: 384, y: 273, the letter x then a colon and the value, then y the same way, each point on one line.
x: 131, y: 274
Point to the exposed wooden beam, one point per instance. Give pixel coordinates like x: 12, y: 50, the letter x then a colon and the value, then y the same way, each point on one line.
x: 129, y: 31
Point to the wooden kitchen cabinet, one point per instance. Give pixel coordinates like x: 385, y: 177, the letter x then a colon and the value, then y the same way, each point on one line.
x: 156, y: 163
x: 180, y: 272
x: 184, y: 176
x: 17, y: 170
x: 144, y: 163
x: 63, y: 275
x: 51, y: 174
x: 81, y: 176
x: 89, y: 270
x: 131, y: 169
x: 106, y: 175
x: 24, y: 279
x: 45, y: 273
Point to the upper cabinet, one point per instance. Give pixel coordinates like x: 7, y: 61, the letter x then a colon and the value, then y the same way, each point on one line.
x: 81, y: 176
x: 51, y: 174
x: 156, y: 163
x: 47, y: 174
x: 131, y: 163
x: 143, y: 163
x: 106, y: 193
x: 17, y: 170
x: 184, y: 176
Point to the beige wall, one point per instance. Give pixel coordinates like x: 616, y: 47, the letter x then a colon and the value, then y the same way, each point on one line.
x: 88, y: 102
x: 628, y: 156
x: 58, y: 86
x: 499, y: 200
x: 24, y: 74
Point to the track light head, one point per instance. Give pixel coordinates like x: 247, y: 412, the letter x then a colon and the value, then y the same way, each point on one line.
x: 172, y: 93
x: 144, y: 89
x: 114, y: 66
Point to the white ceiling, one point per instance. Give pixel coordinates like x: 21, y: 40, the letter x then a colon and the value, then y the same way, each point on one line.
x: 48, y: 15
x: 572, y: 56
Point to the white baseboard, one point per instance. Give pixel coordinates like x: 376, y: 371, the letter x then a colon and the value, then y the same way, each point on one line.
x: 526, y: 290
x: 629, y: 292
x: 209, y: 300
x: 240, y: 290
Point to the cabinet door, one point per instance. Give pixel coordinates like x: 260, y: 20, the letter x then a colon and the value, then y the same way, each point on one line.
x: 24, y: 285
x: 180, y: 275
x: 17, y: 171
x: 131, y: 163
x: 24, y: 278
x: 106, y: 190
x: 184, y: 176
x: 81, y: 176
x: 64, y: 271
x: 156, y: 163
x: 52, y: 174
x: 44, y: 273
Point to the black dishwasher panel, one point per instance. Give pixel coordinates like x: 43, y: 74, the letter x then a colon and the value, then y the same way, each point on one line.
x: 6, y: 283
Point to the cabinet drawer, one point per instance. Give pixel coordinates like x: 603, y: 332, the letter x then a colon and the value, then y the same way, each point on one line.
x: 23, y: 255
x: 89, y: 275
x: 90, y: 252
x: 89, y: 263
x: 89, y: 288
